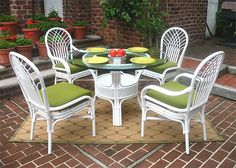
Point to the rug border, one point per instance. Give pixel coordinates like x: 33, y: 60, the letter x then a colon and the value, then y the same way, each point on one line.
x: 221, y: 138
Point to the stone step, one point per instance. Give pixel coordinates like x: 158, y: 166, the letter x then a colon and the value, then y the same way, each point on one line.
x: 219, y: 87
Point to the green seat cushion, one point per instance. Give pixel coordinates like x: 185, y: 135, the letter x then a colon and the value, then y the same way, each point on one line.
x: 78, y: 62
x: 73, y: 68
x: 176, y: 101
x: 163, y: 67
x: 64, y: 92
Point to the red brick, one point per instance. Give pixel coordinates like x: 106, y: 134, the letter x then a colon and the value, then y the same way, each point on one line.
x: 160, y: 164
x: 219, y: 155
x: 72, y: 162
x: 104, y: 159
x: 213, y: 146
x: 156, y: 156
x: 203, y: 155
x: 84, y: 159
x: 44, y: 159
x: 177, y: 164
x: 13, y: 157
x: 120, y: 155
x: 193, y: 163
x: 138, y: 154
x: 126, y: 162
x: 29, y: 158
x: 61, y: 159
x: 227, y: 163
x: 143, y: 164
x: 210, y: 163
x: 172, y: 155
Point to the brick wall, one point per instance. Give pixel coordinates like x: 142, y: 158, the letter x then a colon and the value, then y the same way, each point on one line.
x: 4, y: 7
x: 190, y: 15
x: 22, y: 10
x: 77, y: 10
x: 38, y: 6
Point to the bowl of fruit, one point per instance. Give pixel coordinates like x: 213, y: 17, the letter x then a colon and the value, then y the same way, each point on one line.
x: 117, y: 54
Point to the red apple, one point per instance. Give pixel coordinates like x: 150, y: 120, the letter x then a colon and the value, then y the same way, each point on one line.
x: 121, y: 53
x: 113, y: 53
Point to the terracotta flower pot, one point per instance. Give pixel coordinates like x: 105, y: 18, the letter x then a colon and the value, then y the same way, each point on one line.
x: 10, y: 26
x: 42, y: 50
x: 4, y: 56
x: 69, y: 29
x: 54, y: 19
x: 25, y: 50
x: 79, y: 32
x: 33, y: 34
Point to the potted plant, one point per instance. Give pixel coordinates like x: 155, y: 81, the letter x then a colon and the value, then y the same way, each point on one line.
x: 31, y: 31
x: 149, y: 21
x: 24, y: 47
x: 9, y: 22
x: 39, y: 17
x: 42, y: 48
x: 119, y: 13
x: 6, y: 47
x: 46, y: 25
x: 53, y: 15
x: 79, y: 29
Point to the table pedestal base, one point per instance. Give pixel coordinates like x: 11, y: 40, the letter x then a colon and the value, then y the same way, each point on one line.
x: 116, y: 87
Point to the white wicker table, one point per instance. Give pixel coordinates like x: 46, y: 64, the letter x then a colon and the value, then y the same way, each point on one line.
x: 116, y: 86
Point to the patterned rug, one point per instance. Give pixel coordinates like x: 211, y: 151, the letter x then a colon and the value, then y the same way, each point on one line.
x: 78, y: 131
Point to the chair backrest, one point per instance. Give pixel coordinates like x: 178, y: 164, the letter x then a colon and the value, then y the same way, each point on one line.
x: 31, y: 82
x: 174, y: 42
x: 204, y: 78
x: 58, y: 43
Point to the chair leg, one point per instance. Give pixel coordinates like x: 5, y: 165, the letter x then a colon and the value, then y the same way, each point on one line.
x: 49, y: 130
x: 93, y: 121
x: 55, y: 80
x: 32, y: 127
x: 142, y: 122
x: 203, y: 123
x: 187, y: 142
x: 186, y: 133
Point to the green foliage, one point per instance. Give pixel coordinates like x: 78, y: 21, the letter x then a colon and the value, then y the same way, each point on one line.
x: 150, y: 21
x: 222, y: 24
x: 32, y: 26
x: 46, y: 25
x: 80, y: 23
x: 121, y: 10
x: 7, y: 18
x: 23, y: 41
x: 53, y: 14
x: 5, y: 44
x: 39, y: 17
x: 42, y: 39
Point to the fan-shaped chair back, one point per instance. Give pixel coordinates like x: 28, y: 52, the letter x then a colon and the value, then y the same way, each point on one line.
x: 30, y: 81
x: 204, y: 78
x: 59, y: 44
x: 174, y: 42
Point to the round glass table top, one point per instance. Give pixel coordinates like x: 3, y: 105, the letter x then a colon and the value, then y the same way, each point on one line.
x: 130, y: 61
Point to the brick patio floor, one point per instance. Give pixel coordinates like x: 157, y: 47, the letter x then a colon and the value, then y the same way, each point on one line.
x: 220, y: 111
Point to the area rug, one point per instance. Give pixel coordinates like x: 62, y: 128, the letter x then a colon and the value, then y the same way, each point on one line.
x: 79, y: 131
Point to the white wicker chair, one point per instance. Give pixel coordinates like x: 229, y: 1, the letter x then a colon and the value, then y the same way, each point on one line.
x: 53, y: 103
x: 59, y: 48
x: 175, y: 101
x: 174, y: 42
